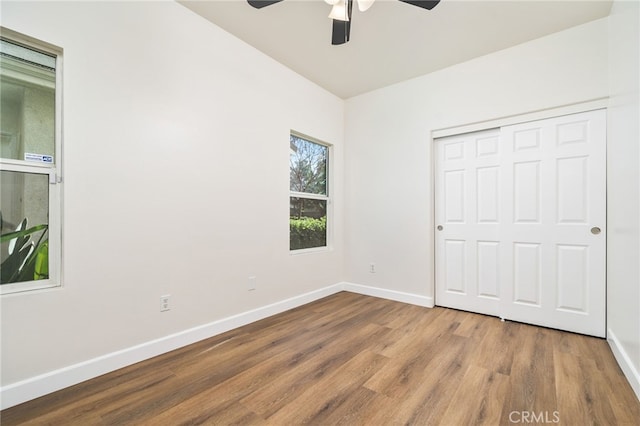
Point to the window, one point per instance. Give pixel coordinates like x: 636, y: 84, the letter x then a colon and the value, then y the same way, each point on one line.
x: 309, y: 193
x: 29, y: 165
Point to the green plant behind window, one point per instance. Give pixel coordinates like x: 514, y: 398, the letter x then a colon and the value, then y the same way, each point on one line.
x: 24, y: 259
x: 307, y: 232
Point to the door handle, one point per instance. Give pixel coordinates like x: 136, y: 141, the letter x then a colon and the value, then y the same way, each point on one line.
x: 595, y: 230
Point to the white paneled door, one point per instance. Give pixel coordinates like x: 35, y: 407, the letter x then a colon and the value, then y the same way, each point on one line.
x: 520, y: 217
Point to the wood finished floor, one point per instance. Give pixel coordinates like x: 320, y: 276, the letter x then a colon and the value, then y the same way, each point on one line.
x: 355, y: 360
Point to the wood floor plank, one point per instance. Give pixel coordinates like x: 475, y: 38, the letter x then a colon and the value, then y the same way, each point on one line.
x: 354, y: 360
x: 625, y: 409
x: 286, y: 388
x: 405, y: 318
x: 480, y: 400
x: 332, y: 393
x: 426, y: 403
x: 579, y: 399
x: 474, y: 326
x: 404, y: 372
x: 355, y: 410
x: 216, y: 403
x: 532, y: 384
x: 84, y: 406
x: 497, y: 349
x: 429, y: 327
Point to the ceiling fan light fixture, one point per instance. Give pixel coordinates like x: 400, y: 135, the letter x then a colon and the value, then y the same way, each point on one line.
x: 339, y: 11
x: 364, y: 5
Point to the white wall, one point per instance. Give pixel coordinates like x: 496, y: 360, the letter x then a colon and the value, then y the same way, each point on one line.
x: 389, y: 181
x: 623, y: 213
x: 176, y: 150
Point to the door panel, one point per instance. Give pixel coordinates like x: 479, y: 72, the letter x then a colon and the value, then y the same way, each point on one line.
x: 469, y: 212
x: 526, y: 273
x: 572, y: 189
x: 488, y: 183
x: 488, y: 261
x: 573, y: 277
x: 526, y: 192
x: 454, y: 196
x: 455, y: 280
x: 517, y: 206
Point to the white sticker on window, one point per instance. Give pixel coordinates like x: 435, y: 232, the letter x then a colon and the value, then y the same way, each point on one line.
x: 40, y: 158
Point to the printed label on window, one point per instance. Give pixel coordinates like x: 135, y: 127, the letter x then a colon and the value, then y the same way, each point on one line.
x: 40, y: 158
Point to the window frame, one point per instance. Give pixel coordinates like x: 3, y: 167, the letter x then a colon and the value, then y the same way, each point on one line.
x: 311, y: 196
x: 53, y: 171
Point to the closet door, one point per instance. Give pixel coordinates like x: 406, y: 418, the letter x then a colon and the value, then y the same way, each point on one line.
x: 523, y: 236
x: 468, y: 219
x: 555, y: 215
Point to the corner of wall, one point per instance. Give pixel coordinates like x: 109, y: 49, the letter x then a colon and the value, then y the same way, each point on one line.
x: 398, y: 296
x: 629, y: 370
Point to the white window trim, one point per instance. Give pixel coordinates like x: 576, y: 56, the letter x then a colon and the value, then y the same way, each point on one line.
x: 53, y: 170
x: 325, y: 197
x: 308, y: 196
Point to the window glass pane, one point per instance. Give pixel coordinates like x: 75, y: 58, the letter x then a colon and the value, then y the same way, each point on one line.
x: 307, y: 223
x: 27, y: 122
x: 24, y: 206
x: 307, y: 166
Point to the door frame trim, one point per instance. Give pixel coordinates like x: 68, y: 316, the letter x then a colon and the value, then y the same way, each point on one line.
x: 600, y: 103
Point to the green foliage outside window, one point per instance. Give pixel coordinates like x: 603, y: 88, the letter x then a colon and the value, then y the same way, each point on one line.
x: 22, y: 258
x: 307, y: 232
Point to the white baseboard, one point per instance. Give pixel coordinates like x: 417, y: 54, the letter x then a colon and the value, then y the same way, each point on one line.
x: 35, y: 387
x: 626, y: 365
x: 398, y: 296
x: 19, y: 392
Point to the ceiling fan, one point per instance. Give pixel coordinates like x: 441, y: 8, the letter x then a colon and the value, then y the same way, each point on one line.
x: 341, y: 13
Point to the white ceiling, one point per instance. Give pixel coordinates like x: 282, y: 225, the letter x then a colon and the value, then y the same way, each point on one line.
x: 392, y: 41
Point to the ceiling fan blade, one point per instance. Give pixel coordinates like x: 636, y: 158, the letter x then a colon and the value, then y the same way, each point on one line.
x: 425, y: 4
x: 259, y: 4
x: 340, y: 32
x: 342, y: 29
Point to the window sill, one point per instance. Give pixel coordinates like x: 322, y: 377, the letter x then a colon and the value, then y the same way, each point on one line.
x: 309, y: 250
x: 28, y: 286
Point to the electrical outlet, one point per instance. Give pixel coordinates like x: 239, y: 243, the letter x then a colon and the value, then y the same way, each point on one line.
x: 164, y: 303
x: 372, y: 268
x: 251, y: 283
